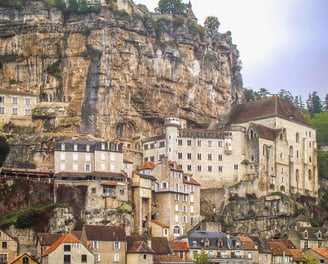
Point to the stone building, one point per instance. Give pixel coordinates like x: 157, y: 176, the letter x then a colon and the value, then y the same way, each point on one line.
x: 107, y: 243
x: 176, y: 198
x: 16, y: 106
x: 67, y: 249
x: 96, y: 164
x: 8, y: 247
x: 263, y: 146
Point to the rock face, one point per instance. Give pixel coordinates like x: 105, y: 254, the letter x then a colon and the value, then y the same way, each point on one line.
x: 116, y: 72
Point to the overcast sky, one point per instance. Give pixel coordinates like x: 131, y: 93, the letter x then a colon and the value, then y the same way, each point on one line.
x: 283, y: 44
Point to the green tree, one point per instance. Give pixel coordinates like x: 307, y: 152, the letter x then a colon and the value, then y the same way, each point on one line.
x: 325, y: 107
x: 175, y: 7
x: 309, y: 259
x: 4, y: 149
x: 201, y: 258
x: 323, y: 164
x: 73, y: 6
x: 314, y: 104
x: 212, y: 24
x: 287, y: 95
x: 249, y: 94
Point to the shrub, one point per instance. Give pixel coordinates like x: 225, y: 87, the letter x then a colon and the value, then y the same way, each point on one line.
x: 53, y: 69
x: 27, y: 218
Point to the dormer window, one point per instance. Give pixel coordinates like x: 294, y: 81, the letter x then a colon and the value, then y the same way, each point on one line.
x: 319, y: 234
x: 75, y: 147
x: 306, y: 234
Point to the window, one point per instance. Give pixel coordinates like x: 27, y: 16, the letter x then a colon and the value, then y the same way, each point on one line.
x: 14, y: 111
x: 189, y: 156
x: 117, y: 245
x: 87, y: 167
x: 88, y: 147
x: 199, y: 143
x: 209, y: 168
x: 220, y: 157
x: 116, y: 257
x: 184, y: 219
x: 162, y: 144
x: 67, y: 247
x: 188, y: 167
x: 2, y: 98
x: 180, y: 142
x: 15, y: 100
x: 297, y: 138
x: 235, y: 166
x: 67, y: 259
x: 4, y: 245
x: 3, y: 258
x: 95, y: 244
x: 199, y: 156
x: 152, y: 145
x: 84, y: 258
x: 93, y: 190
x: 145, y: 147
x: 184, y: 208
x: 27, y: 100
x: 97, y: 257
x: 2, y: 109
x: 220, y: 168
x: 176, y: 230
x: 176, y: 197
x: 306, y: 244
x: 75, y: 155
x: 27, y: 112
x: 26, y: 260
x: 209, y: 143
x: 192, y: 188
x: 220, y: 144
x: 62, y: 166
x: 199, y: 167
x: 188, y: 142
x: 209, y: 156
x: 75, y: 147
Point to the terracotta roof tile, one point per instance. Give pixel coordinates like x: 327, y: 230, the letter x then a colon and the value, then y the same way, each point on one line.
x: 321, y: 251
x: 20, y: 257
x: 148, y: 165
x: 296, y: 254
x: 179, y: 245
x: 68, y: 238
x: 104, y: 233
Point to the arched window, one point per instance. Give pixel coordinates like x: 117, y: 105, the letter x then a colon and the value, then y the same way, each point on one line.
x: 176, y: 230
x: 297, y: 175
x: 291, y: 150
x: 310, y: 175
x: 297, y: 137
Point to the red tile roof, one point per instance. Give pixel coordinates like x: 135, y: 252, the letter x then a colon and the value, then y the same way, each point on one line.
x: 296, y: 254
x: 321, y: 251
x: 179, y: 245
x: 248, y: 244
x: 148, y: 165
x: 20, y: 257
x: 68, y: 238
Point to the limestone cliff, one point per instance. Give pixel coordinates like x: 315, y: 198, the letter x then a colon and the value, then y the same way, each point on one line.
x: 115, y: 72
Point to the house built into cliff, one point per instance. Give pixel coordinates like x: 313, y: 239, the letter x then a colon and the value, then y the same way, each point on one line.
x: 261, y: 147
x: 95, y: 164
x: 16, y: 106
